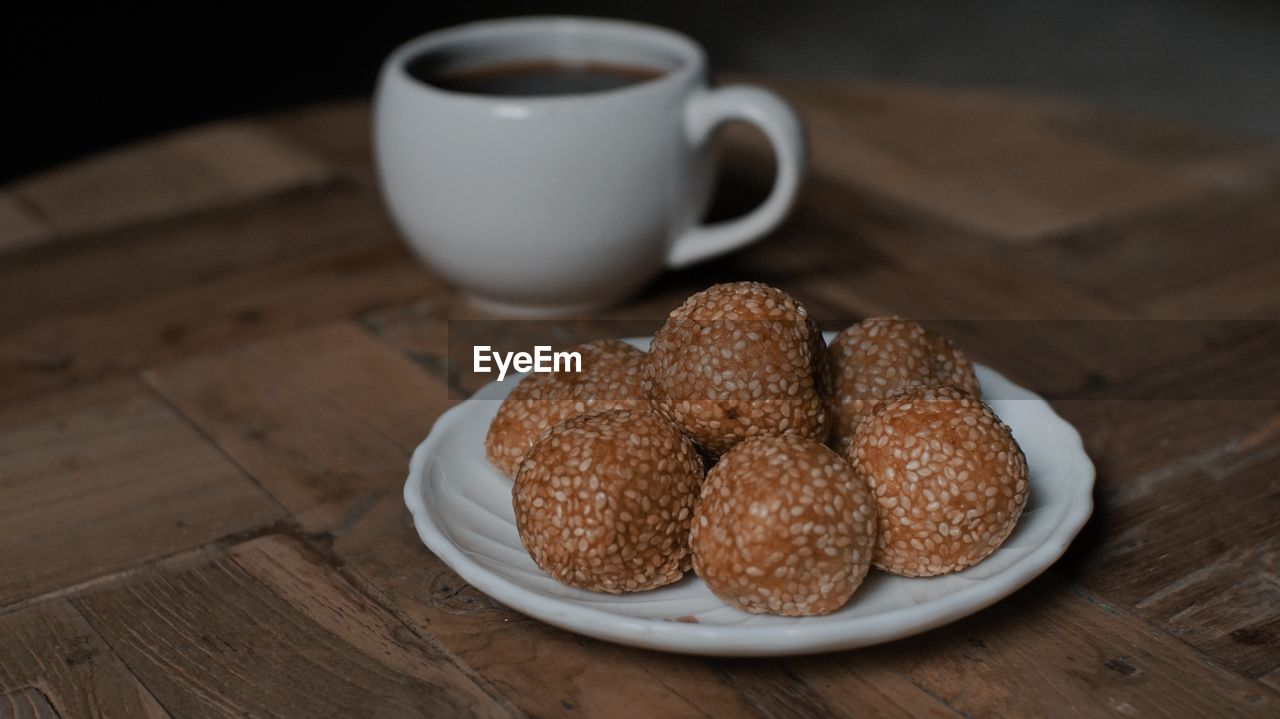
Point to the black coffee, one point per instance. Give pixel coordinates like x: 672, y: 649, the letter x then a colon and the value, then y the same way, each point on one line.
x: 536, y: 77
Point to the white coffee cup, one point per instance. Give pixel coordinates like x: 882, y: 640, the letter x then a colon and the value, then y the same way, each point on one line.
x: 553, y: 204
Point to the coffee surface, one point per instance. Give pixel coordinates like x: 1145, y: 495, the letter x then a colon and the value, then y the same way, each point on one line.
x: 540, y: 77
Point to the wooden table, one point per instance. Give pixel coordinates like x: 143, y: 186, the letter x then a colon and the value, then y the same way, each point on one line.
x: 216, y: 357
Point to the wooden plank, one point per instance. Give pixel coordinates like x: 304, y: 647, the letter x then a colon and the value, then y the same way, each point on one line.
x: 1139, y: 439
x: 1051, y: 650
x: 1247, y: 293
x: 1272, y: 679
x: 339, y: 132
x: 196, y: 169
x: 350, y: 415
x: 1226, y: 607
x: 1230, y: 162
x: 314, y: 416
x: 847, y: 684
x: 29, y: 703
x: 1238, y: 360
x: 53, y: 664
x: 273, y: 629
x: 131, y: 264
x: 1039, y: 330
x: 998, y: 164
x: 1221, y: 400
x: 885, y: 263
x: 1184, y: 531
x: 99, y: 479
x: 233, y: 310
x: 1184, y: 527
x: 20, y: 225
x: 1199, y: 261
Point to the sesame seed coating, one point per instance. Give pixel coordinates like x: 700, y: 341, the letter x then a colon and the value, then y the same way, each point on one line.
x: 604, y: 501
x: 949, y: 478
x: 739, y: 360
x: 881, y: 356
x: 610, y: 379
x: 784, y: 526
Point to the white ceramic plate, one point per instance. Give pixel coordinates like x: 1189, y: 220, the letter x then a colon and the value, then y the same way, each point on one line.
x: 461, y: 506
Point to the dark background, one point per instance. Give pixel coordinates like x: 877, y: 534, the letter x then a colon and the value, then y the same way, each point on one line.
x: 79, y: 80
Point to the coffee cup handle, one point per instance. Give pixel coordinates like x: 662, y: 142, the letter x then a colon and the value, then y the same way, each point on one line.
x: 780, y: 124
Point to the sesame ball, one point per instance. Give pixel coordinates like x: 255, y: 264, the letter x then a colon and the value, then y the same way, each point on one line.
x: 604, y: 501
x: 610, y: 379
x: 784, y: 526
x: 949, y: 478
x: 881, y: 356
x: 739, y: 360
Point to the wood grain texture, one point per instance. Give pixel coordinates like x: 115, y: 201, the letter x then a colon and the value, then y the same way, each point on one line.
x: 1053, y: 337
x: 190, y: 170
x: 1004, y: 166
x: 1184, y: 531
x: 137, y: 263
x: 324, y: 419
x: 239, y: 308
x: 292, y: 354
x: 1247, y: 293
x: 1272, y: 679
x: 1159, y: 264
x: 29, y: 703
x: 53, y: 664
x: 1052, y: 650
x: 103, y: 478
x: 271, y: 629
